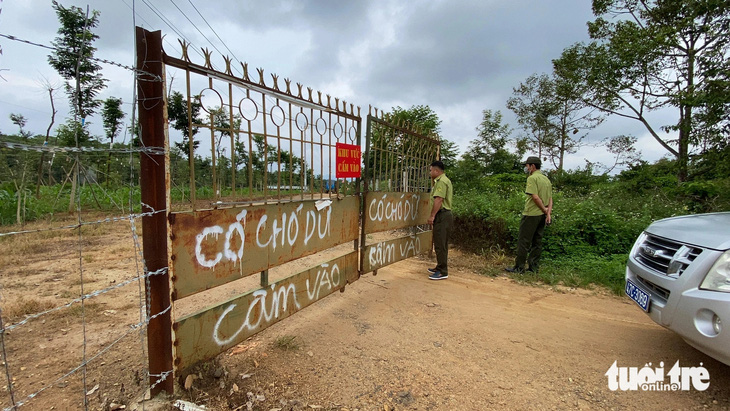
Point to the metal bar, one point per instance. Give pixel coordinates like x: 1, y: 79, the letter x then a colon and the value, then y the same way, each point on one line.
x: 212, y: 146
x: 291, y: 155
x: 311, y: 152
x: 191, y: 143
x: 233, y: 140
x: 265, y: 180
x: 198, y: 69
x: 278, y: 154
x: 303, y: 159
x: 321, y: 161
x: 249, y: 166
x: 265, y: 278
x: 366, y: 189
x: 155, y: 188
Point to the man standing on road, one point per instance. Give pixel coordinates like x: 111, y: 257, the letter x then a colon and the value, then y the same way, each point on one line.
x: 538, y: 207
x: 441, y: 219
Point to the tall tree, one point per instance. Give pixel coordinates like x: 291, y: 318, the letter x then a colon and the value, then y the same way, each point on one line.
x: 112, y: 116
x: 423, y: 117
x: 73, y: 58
x: 184, y: 120
x: 449, y: 153
x: 20, y: 121
x: 489, y: 151
x: 623, y: 150
x: 533, y: 102
x: 648, y: 55
x: 390, y: 164
x: 551, y: 111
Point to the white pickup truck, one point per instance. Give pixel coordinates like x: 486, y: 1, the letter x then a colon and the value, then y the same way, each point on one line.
x: 679, y: 273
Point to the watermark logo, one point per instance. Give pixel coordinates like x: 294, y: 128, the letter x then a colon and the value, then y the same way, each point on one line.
x: 654, y: 379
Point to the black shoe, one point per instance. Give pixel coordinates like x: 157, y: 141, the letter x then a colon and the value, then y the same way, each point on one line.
x: 531, y: 270
x: 432, y: 270
x: 438, y: 276
x: 514, y: 270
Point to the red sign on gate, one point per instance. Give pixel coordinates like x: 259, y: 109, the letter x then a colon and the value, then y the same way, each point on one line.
x: 348, y: 160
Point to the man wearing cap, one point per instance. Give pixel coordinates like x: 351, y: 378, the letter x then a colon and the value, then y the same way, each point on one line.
x: 441, y: 219
x: 538, y: 207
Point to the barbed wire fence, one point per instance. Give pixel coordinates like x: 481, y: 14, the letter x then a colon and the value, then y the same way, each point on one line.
x: 71, y: 283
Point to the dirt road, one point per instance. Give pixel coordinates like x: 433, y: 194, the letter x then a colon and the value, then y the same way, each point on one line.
x: 400, y: 341
x: 392, y: 341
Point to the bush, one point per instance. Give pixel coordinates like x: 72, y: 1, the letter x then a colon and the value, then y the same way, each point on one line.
x: 593, y: 228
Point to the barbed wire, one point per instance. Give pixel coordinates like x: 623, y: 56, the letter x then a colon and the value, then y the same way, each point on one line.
x: 55, y: 149
x: 96, y: 293
x: 77, y: 225
x: 155, y: 77
x: 133, y: 328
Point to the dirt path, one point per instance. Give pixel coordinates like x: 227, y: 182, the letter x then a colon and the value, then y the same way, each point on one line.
x: 400, y: 341
x: 392, y: 341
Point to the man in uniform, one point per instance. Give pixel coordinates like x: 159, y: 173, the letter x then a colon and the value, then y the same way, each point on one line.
x: 441, y: 219
x: 537, y: 213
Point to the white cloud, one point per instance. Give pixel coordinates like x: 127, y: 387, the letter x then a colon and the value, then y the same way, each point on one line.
x: 458, y: 57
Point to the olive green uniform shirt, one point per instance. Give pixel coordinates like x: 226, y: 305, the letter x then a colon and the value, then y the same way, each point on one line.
x: 442, y: 188
x: 537, y: 183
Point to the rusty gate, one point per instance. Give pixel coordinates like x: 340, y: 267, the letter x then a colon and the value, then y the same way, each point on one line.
x: 396, y: 192
x: 274, y: 200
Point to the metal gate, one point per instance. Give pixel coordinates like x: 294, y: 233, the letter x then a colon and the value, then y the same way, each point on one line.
x: 396, y: 192
x: 274, y: 200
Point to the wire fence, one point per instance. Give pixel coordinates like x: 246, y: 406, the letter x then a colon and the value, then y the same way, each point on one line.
x: 75, y: 305
x: 74, y: 311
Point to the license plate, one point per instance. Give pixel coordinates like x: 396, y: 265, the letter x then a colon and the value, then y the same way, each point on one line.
x: 638, y: 295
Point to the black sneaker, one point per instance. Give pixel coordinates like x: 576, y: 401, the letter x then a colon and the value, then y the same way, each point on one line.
x: 438, y: 276
x: 432, y: 270
x: 514, y: 270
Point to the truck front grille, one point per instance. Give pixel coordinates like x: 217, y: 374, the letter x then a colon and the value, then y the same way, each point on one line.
x: 666, y: 256
x: 658, y: 291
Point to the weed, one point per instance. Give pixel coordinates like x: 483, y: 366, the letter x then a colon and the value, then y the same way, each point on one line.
x: 286, y: 343
x: 24, y: 307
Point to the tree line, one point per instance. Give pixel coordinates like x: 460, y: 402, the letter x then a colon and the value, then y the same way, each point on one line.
x: 642, y: 56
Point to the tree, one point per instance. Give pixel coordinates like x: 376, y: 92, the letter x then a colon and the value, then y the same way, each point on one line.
x: 396, y: 154
x: 449, y: 153
x: 423, y: 117
x: 648, y: 55
x: 623, y: 150
x: 51, y: 88
x: 177, y: 113
x: 112, y: 116
x: 488, y: 151
x: 221, y: 122
x: 533, y: 102
x: 73, y: 58
x: 551, y: 110
x: 20, y: 121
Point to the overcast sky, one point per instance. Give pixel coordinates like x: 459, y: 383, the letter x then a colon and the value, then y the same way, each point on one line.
x: 458, y: 57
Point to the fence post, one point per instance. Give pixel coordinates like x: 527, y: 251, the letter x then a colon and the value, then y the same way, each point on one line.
x: 154, y: 184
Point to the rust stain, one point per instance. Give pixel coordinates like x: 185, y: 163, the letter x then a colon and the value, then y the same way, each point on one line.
x: 379, y: 255
x: 215, y: 329
x: 393, y: 210
x: 209, y: 250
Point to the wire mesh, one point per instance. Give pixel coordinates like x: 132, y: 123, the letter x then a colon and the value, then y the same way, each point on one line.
x: 73, y: 309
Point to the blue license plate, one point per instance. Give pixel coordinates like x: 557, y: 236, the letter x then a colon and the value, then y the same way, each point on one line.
x: 638, y: 295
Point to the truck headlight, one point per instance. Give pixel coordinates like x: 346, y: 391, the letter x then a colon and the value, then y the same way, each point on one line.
x: 639, y: 241
x: 718, y: 278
